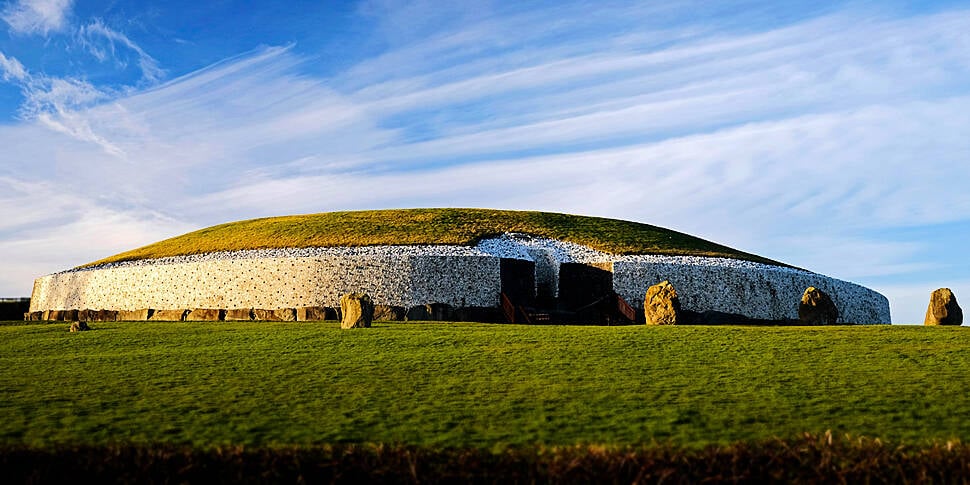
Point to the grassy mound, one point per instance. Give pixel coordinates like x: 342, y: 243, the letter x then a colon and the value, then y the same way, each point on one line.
x: 430, y: 226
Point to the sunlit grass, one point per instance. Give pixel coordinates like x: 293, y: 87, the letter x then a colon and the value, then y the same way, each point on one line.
x: 476, y: 385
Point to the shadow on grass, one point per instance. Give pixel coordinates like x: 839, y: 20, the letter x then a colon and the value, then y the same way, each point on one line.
x: 817, y: 459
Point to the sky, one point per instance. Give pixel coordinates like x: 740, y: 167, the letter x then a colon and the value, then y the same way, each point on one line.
x: 832, y: 136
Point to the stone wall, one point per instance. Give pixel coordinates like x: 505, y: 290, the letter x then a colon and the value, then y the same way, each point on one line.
x: 753, y: 290
x: 457, y: 276
x: 275, y: 283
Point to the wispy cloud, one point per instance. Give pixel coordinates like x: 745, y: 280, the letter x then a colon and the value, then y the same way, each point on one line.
x: 60, y: 221
x: 37, y: 16
x: 106, y: 44
x: 799, y: 142
x: 11, y: 69
x: 57, y: 102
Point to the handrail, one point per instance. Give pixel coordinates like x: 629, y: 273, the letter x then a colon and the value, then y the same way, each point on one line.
x: 525, y: 315
x: 507, y: 307
x: 625, y: 309
x: 591, y: 305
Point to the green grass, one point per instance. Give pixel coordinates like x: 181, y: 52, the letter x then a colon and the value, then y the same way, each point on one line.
x: 430, y: 226
x: 476, y: 385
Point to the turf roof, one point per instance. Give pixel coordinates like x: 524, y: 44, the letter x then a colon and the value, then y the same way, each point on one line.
x: 430, y: 227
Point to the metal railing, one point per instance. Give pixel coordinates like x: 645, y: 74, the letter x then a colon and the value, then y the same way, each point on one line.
x: 624, y: 308
x: 507, y: 307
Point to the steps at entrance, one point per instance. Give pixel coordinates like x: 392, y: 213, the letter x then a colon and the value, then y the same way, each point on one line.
x: 610, y: 309
x: 540, y: 318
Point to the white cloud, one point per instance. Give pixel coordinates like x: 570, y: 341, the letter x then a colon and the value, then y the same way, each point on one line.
x: 104, y: 43
x: 37, y: 16
x: 795, y: 143
x: 49, y: 224
x: 56, y: 103
x: 11, y: 69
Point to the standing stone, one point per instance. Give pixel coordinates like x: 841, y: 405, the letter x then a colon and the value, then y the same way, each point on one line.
x: 817, y: 308
x: 661, y: 305
x: 943, y: 309
x: 79, y: 327
x: 357, y: 310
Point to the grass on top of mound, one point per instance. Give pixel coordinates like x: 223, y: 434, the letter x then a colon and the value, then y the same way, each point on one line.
x: 430, y: 226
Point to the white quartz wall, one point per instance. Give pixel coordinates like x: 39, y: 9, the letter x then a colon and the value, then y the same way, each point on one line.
x: 284, y: 282
x: 456, y: 275
x: 749, y: 289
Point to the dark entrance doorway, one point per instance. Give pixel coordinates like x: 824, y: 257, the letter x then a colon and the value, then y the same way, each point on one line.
x: 518, y: 280
x: 582, y: 284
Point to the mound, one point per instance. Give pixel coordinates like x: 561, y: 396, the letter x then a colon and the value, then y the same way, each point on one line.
x: 421, y: 264
x: 407, y: 227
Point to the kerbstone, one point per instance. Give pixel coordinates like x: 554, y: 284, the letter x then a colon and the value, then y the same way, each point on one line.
x: 275, y: 315
x: 239, y: 315
x: 389, y: 313
x: 169, y: 315
x: 204, y: 315
x: 315, y: 314
x: 134, y: 315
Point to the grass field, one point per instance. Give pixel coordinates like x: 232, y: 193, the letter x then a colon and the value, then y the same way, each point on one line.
x: 430, y: 226
x: 477, y: 386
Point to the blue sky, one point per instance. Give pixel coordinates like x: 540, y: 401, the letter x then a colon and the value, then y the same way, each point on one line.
x: 829, y: 135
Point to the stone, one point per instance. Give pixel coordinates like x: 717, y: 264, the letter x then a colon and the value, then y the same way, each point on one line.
x: 277, y: 315
x: 817, y: 308
x: 79, y: 327
x: 204, y: 315
x: 134, y: 315
x: 440, y: 312
x: 389, y: 313
x: 63, y: 315
x: 661, y: 305
x: 107, y: 316
x: 238, y: 315
x: 87, y: 315
x: 943, y: 309
x: 169, y: 315
x: 357, y: 310
x: 418, y: 313
x: 315, y: 314
x: 36, y: 316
